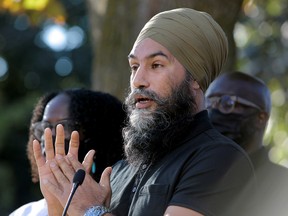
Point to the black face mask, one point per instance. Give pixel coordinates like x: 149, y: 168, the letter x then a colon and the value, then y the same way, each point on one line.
x: 238, y: 127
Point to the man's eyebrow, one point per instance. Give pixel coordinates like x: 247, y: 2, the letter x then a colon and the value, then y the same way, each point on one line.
x: 153, y: 55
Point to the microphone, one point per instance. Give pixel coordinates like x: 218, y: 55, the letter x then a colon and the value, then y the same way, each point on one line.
x: 77, y: 180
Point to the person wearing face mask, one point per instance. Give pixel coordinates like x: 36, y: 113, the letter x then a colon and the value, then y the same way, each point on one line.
x: 239, y: 107
x: 97, y: 116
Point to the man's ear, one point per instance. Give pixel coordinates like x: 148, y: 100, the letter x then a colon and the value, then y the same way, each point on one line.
x: 195, y: 85
x: 198, y: 95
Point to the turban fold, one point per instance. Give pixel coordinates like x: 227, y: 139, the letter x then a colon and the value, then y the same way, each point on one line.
x: 194, y: 38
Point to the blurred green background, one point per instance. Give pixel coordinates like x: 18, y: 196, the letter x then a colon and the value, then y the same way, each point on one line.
x: 50, y: 44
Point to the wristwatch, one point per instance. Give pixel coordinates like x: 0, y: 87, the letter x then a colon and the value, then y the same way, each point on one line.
x: 96, y: 211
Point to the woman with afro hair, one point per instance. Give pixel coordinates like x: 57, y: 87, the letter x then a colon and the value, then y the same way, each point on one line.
x: 97, y: 116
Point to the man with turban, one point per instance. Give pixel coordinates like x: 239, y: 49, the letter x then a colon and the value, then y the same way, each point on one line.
x: 176, y: 163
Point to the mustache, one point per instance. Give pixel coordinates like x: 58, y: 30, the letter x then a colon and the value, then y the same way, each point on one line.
x: 130, y: 100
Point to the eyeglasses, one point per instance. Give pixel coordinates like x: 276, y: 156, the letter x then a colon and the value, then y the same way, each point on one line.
x: 226, y: 103
x: 39, y: 127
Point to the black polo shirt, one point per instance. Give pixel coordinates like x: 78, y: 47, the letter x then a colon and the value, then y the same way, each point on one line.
x: 206, y: 173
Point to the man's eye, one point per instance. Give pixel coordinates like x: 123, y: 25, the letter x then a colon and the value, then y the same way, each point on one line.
x: 156, y: 66
x: 133, y: 68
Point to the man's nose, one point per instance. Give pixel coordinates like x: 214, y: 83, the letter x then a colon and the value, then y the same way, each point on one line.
x: 139, y: 79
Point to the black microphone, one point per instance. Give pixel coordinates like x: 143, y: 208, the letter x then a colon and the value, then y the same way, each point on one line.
x: 77, y: 180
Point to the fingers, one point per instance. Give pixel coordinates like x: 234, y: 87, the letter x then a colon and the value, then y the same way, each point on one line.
x: 40, y: 160
x: 105, y: 177
x: 60, y: 143
x: 49, y: 148
x: 74, y: 144
x: 56, y: 183
x: 105, y: 183
x: 74, y: 162
x: 67, y: 167
x: 69, y: 164
x: 88, y: 160
x: 60, y: 140
x: 64, y: 171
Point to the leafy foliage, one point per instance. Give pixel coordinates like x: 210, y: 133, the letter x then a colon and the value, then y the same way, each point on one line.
x: 28, y: 68
x: 38, y: 10
x: 262, y: 39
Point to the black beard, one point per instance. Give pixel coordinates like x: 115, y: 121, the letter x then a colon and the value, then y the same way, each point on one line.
x: 150, y: 135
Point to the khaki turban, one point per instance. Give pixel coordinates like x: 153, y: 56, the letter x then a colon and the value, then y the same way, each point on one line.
x: 193, y: 38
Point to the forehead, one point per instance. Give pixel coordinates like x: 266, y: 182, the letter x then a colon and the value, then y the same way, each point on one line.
x: 146, y: 48
x: 224, y: 85
x: 57, y: 108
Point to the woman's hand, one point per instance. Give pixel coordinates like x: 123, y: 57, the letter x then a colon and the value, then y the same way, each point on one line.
x: 43, y: 164
x: 57, y: 171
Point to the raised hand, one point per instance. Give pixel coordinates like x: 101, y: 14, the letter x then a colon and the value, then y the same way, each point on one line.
x: 88, y: 194
x: 57, y: 172
x: 45, y: 173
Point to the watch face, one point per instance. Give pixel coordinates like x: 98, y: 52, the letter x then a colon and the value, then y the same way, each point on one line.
x: 96, y: 211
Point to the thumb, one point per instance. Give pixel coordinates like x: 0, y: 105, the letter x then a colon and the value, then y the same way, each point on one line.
x: 105, y: 183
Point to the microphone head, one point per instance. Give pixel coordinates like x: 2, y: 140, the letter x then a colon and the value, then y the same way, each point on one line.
x: 79, y: 177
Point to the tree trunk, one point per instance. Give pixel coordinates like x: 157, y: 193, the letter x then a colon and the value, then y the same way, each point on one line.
x: 115, y: 25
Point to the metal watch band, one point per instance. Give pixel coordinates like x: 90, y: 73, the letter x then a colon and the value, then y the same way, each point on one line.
x: 96, y: 211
